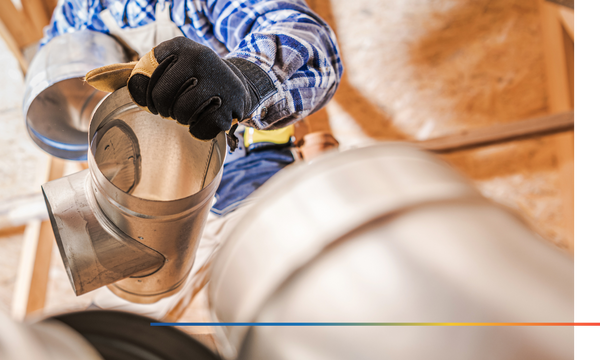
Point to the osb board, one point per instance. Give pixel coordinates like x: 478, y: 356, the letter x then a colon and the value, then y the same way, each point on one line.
x: 524, y: 176
x: 434, y: 67
x: 421, y: 69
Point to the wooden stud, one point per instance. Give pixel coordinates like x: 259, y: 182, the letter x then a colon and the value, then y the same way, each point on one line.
x: 501, y: 133
x: 570, y: 57
x: 559, y: 100
x: 50, y: 5
x: 13, y: 230
x: 567, y: 17
x: 565, y: 149
x: 318, y: 121
x: 567, y: 3
x: 554, y: 58
x: 17, y: 23
x: 32, y: 276
x: 37, y: 14
x: 13, y: 47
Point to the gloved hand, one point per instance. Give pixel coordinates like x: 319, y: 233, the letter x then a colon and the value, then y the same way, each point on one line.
x: 188, y: 82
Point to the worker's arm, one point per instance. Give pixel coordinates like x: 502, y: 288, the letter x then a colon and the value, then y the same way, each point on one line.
x: 285, y: 58
x: 73, y: 15
x: 295, y: 47
x: 284, y: 37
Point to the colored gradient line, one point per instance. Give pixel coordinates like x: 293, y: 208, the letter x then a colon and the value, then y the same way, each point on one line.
x: 368, y: 324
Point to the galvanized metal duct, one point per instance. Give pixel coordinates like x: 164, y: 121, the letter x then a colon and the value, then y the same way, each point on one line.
x: 387, y: 234
x: 57, y: 103
x: 133, y: 219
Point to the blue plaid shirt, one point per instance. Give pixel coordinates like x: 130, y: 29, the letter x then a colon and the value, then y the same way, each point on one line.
x: 284, y: 37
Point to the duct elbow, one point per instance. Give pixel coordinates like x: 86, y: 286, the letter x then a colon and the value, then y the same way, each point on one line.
x: 94, y: 251
x: 136, y: 231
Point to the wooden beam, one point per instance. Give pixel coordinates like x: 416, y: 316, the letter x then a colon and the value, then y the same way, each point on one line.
x: 557, y: 80
x: 50, y: 5
x: 18, y: 24
x: 570, y: 57
x: 559, y: 100
x: 37, y: 14
x: 318, y: 121
x: 32, y: 276
x: 565, y: 145
x: 13, y: 230
x: 500, y: 133
x: 567, y: 3
x: 567, y: 18
x: 13, y: 47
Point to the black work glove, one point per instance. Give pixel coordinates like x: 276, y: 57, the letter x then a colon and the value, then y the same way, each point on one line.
x: 188, y: 82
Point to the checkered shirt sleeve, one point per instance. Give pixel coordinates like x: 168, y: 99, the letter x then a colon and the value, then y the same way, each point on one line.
x: 297, y: 49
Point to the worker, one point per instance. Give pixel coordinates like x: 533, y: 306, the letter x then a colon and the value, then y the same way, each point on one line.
x: 211, y: 65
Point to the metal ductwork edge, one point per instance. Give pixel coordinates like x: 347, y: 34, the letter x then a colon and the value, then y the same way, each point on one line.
x: 94, y: 251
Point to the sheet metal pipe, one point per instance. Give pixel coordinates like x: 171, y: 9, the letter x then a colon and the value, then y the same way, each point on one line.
x: 133, y: 219
x: 386, y: 234
x: 57, y: 103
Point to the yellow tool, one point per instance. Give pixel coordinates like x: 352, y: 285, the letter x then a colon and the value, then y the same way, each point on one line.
x: 279, y: 136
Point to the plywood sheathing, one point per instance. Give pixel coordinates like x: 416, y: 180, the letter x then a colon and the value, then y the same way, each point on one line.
x: 453, y: 64
x: 423, y: 69
x: 523, y: 176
